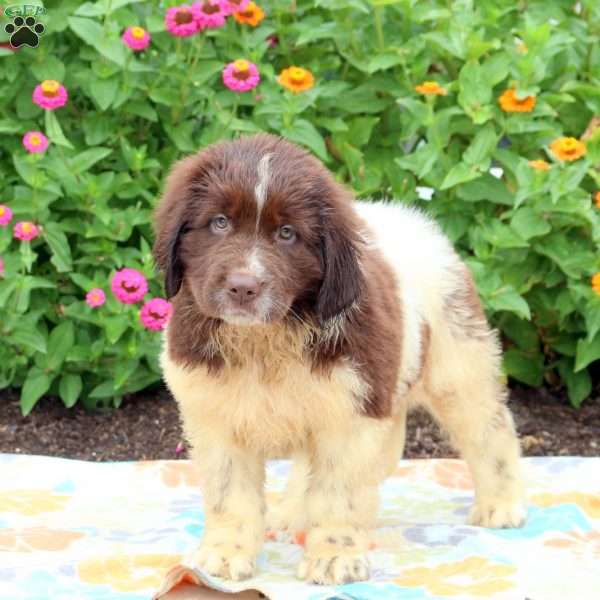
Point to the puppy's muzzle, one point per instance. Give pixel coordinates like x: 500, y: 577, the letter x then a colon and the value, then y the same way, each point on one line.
x: 243, y: 289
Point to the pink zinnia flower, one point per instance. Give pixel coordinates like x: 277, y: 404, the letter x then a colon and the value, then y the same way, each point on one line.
x: 180, y: 21
x: 241, y: 75
x: 5, y: 215
x: 95, y: 297
x: 209, y: 14
x: 136, y: 38
x: 35, y: 142
x: 155, y: 313
x: 26, y: 231
x: 129, y: 286
x: 50, y: 94
x: 233, y: 6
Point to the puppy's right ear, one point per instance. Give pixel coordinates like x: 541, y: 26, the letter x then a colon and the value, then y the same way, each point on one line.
x: 171, y: 222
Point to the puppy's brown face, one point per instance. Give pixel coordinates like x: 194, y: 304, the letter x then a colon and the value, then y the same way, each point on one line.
x: 255, y: 230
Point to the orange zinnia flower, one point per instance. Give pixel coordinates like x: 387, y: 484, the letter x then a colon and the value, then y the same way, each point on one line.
x: 251, y: 15
x: 539, y: 165
x: 596, y: 283
x: 597, y: 198
x: 431, y: 88
x: 510, y: 103
x: 296, y: 79
x: 568, y: 148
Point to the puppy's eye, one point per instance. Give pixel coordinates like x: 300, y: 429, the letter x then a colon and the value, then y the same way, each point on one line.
x: 286, y: 233
x: 220, y: 223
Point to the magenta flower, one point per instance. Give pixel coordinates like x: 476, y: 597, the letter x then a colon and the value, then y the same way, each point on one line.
x: 209, y: 14
x: 136, y: 38
x: 5, y: 215
x: 95, y: 297
x: 233, y: 6
x: 25, y: 231
x: 35, y: 142
x: 129, y: 286
x: 241, y: 75
x: 180, y: 21
x: 50, y: 94
x: 155, y: 314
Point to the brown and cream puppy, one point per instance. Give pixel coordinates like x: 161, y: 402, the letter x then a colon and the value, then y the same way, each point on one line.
x: 304, y: 326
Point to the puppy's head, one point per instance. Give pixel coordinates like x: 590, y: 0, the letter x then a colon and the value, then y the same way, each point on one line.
x: 257, y: 229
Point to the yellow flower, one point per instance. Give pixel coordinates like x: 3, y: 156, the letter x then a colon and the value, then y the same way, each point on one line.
x: 596, y: 199
x: 539, y: 165
x: 596, y: 283
x: 50, y: 87
x: 251, y: 15
x: 568, y: 148
x: 474, y: 576
x: 431, y: 88
x: 296, y: 79
x: 510, y: 103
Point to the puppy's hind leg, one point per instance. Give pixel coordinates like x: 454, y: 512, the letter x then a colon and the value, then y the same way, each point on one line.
x: 464, y: 393
x: 287, y: 517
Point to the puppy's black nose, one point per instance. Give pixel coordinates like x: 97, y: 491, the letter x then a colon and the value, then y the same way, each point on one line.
x: 242, y: 287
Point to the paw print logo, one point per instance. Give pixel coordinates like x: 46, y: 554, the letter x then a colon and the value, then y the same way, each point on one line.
x: 24, y: 32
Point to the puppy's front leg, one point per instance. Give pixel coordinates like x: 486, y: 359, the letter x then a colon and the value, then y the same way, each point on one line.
x: 234, y: 506
x: 342, y: 499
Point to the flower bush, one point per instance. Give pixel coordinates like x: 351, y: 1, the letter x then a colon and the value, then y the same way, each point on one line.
x: 479, y: 113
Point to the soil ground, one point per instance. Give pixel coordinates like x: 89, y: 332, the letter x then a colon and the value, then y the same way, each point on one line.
x: 147, y: 427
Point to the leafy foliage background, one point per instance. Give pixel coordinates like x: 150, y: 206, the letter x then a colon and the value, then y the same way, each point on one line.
x: 531, y: 238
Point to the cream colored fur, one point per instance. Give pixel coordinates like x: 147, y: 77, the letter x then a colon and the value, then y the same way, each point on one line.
x: 267, y: 403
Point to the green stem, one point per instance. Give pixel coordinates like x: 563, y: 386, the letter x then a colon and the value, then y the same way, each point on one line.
x: 377, y: 13
x: 233, y: 111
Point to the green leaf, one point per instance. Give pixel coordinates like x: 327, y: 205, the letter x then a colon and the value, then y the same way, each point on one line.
x: 59, y: 244
x: 92, y: 33
x: 482, y: 146
x: 115, y: 326
x: 460, y: 173
x: 30, y: 338
x: 86, y: 159
x: 48, y: 68
x: 579, y: 385
x: 506, y: 298
x: 60, y: 341
x: 104, y: 390
x: 36, y: 385
x: 123, y: 372
x: 54, y: 130
x: 104, y: 91
x: 421, y: 161
x: 528, y: 224
x: 69, y: 388
x: 523, y: 366
x: 487, y: 188
x: 305, y: 133
x: 588, y: 351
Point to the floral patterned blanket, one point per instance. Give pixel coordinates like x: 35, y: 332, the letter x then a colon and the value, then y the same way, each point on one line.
x: 99, y: 531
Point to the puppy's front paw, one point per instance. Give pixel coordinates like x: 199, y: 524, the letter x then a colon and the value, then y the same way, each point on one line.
x: 225, y: 559
x: 336, y: 569
x: 498, y: 514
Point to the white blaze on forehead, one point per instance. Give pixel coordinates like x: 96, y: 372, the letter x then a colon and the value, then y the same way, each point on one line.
x: 262, y: 182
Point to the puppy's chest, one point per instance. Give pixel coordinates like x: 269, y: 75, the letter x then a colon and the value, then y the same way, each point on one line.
x: 269, y: 402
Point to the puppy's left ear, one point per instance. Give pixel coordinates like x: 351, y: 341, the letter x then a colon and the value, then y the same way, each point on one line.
x: 343, y: 280
x: 170, y: 224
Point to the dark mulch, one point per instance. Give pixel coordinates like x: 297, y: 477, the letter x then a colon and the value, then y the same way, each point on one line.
x: 147, y: 427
